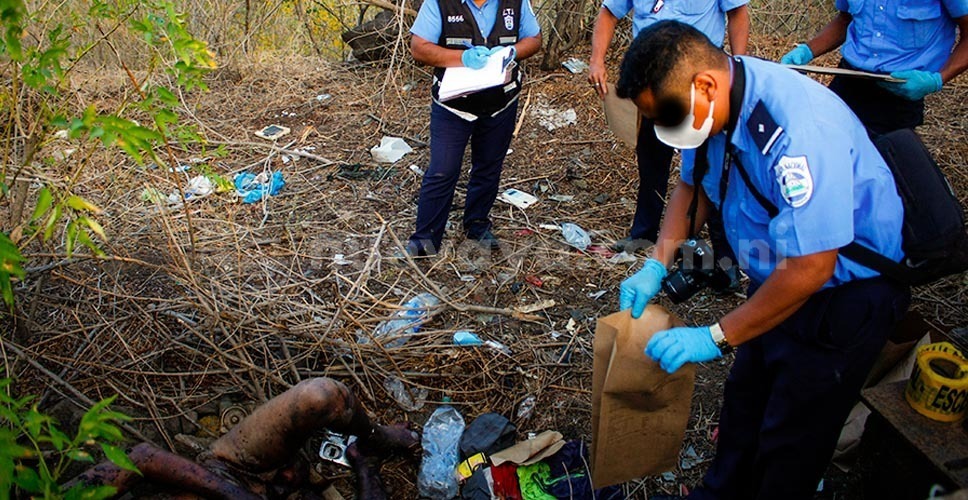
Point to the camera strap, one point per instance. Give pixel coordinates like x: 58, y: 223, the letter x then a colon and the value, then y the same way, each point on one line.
x: 701, y: 167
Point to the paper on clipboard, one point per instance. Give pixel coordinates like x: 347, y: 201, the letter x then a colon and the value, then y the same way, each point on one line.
x: 824, y: 70
x: 622, y: 116
x: 639, y: 412
x: 460, y: 81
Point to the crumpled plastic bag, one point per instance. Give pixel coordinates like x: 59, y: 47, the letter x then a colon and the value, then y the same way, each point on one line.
x: 390, y: 150
x: 252, y: 188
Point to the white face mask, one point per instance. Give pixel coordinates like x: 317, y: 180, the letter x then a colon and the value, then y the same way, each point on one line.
x: 683, y: 136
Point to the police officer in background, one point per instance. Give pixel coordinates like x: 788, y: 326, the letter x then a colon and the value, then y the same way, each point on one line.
x: 654, y: 157
x: 910, y: 39
x: 814, y: 321
x: 452, y: 33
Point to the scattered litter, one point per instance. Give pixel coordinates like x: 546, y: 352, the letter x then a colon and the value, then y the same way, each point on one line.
x: 465, y: 337
x: 340, y: 260
x: 552, y: 119
x: 575, y: 236
x: 537, y: 306
x: 550, y: 227
x: 563, y: 198
x: 689, y: 459
x: 555, y: 334
x: 252, y: 188
x: 575, y: 65
x: 180, y: 168
x: 324, y: 97
x: 390, y: 149
x: 600, y: 199
x: 199, y: 187
x: 543, y: 186
x: 333, y: 448
x: 468, y: 278
x: 572, y: 326
x: 517, y: 198
x: 516, y: 287
x: 597, y: 295
x: 668, y: 477
x: 412, y: 314
x: 410, y: 399
x: 417, y: 170
x: 272, y: 132
x: 600, y: 250
x: 61, y: 134
x: 534, y: 280
x: 523, y: 232
x: 577, y: 314
x: 409, y: 86
x: 509, y: 152
x: 287, y: 158
x: 526, y: 408
x: 497, y: 346
x: 622, y: 257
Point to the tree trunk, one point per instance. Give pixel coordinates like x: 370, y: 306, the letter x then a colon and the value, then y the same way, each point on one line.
x: 565, y: 32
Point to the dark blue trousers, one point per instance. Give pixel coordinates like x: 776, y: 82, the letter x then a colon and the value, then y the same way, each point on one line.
x: 655, y: 159
x: 449, y: 134
x: 790, y: 390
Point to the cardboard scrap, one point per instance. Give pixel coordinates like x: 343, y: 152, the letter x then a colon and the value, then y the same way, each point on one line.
x: 531, y: 451
x: 537, y: 306
x: 639, y: 412
x: 622, y: 116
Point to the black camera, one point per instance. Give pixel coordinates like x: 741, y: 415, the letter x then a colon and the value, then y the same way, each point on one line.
x: 697, y: 269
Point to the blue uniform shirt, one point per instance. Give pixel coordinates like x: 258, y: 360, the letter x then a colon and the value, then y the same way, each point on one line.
x: 708, y: 16
x: 812, y: 158
x: 428, y: 24
x: 896, y: 35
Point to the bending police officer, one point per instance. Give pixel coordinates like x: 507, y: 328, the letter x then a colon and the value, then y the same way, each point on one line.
x: 814, y: 321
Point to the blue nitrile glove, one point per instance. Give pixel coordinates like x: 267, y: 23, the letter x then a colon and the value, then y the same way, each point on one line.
x: 916, y: 84
x: 637, y: 290
x: 494, y: 50
x: 799, y: 55
x: 475, y: 57
x: 673, y: 348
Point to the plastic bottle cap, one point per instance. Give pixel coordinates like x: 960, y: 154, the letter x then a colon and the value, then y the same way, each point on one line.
x: 445, y: 399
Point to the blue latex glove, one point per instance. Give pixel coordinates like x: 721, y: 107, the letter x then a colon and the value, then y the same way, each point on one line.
x: 475, y: 57
x: 637, y: 290
x: 916, y: 84
x: 799, y: 55
x: 673, y: 348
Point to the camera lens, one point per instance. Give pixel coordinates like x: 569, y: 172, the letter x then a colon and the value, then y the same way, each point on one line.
x: 679, y: 286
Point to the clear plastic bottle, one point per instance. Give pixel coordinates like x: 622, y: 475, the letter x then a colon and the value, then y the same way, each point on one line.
x: 441, y: 436
x: 575, y: 236
x: 406, y: 321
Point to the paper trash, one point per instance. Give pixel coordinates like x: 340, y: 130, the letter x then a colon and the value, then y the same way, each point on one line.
x: 517, y: 198
x: 639, y: 412
x: 390, y: 149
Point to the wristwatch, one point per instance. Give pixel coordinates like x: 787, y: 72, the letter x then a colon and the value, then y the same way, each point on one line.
x: 719, y: 338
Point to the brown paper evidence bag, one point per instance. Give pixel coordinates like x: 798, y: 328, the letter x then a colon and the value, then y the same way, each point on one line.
x: 639, y: 412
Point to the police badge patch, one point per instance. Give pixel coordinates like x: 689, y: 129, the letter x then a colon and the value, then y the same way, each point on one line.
x: 509, y: 19
x: 796, y: 183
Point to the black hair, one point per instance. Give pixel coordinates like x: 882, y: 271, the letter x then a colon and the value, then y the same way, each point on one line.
x: 658, y: 53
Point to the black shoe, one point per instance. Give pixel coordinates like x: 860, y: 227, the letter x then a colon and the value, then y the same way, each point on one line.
x: 486, y: 240
x: 411, y: 249
x: 629, y: 245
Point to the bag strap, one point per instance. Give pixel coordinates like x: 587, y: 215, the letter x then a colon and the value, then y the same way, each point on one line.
x: 853, y: 251
x: 699, y: 170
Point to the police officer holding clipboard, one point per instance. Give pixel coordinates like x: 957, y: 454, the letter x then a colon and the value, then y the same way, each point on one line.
x: 911, y: 40
x: 796, y: 177
x: 452, y: 33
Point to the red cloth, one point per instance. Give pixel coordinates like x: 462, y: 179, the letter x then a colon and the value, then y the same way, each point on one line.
x: 505, y: 478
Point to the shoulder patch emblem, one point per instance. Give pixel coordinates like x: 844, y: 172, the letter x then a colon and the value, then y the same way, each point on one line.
x: 763, y: 128
x: 796, y: 183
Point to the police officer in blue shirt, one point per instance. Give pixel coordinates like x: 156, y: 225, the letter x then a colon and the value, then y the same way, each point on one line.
x: 909, y: 39
x: 654, y: 157
x: 451, y: 33
x: 796, y: 178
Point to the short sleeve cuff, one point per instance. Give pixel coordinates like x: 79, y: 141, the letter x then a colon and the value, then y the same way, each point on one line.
x: 728, y: 5
x: 618, y: 8
x: 841, y: 5
x: 956, y: 8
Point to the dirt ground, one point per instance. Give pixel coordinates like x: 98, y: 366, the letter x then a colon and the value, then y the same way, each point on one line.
x: 220, y: 304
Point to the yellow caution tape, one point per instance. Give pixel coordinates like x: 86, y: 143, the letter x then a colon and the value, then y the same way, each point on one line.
x: 938, y: 388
